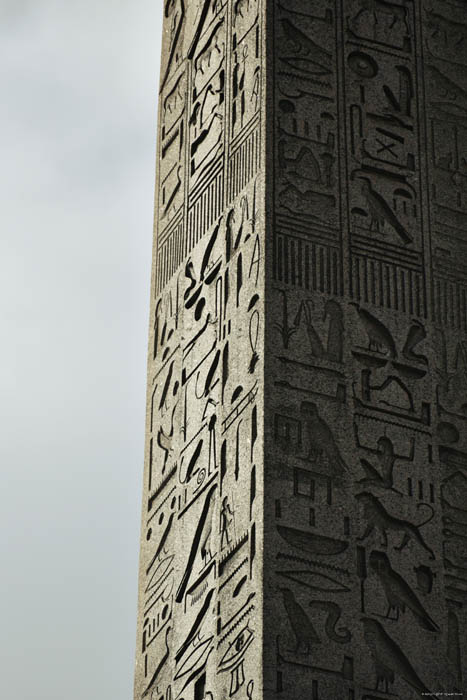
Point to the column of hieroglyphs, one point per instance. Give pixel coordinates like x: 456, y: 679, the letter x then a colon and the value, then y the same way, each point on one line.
x: 199, y: 629
x: 366, y: 351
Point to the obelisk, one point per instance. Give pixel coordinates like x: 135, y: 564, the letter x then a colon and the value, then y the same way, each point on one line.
x: 304, y: 531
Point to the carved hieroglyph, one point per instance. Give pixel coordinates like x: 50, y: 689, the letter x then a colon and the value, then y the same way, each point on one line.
x: 305, y: 502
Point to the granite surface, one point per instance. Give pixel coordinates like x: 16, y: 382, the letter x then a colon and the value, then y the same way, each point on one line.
x: 304, y: 529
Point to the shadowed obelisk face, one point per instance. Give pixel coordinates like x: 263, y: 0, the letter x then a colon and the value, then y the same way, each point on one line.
x: 366, y: 320
x: 304, y: 518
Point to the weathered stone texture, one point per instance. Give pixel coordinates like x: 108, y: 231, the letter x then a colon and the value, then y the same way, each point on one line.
x: 305, y: 505
x: 200, y: 614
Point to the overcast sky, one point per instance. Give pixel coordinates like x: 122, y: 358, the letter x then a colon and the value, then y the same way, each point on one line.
x: 77, y: 135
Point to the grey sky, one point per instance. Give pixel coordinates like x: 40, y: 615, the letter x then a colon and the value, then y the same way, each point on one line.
x: 77, y: 132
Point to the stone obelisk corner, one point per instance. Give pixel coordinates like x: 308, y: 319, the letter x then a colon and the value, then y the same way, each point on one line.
x: 304, y: 527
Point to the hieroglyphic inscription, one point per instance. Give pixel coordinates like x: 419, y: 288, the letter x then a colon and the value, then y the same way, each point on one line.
x: 444, y: 39
x: 199, y: 631
x: 366, y: 435
x: 308, y: 246
x: 305, y: 519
